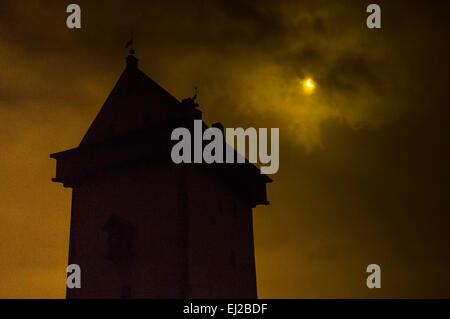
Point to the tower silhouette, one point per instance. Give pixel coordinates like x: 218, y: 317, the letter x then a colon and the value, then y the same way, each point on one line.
x: 144, y: 227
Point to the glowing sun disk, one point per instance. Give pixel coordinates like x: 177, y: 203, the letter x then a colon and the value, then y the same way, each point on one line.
x: 308, y: 85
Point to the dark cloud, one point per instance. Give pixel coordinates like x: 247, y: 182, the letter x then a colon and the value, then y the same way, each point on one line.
x: 351, y: 71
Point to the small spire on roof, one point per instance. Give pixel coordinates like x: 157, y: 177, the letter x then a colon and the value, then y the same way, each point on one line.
x: 195, y: 95
x: 132, y: 61
x: 191, y: 101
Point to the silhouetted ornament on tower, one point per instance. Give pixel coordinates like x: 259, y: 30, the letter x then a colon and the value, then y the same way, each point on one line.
x: 144, y: 227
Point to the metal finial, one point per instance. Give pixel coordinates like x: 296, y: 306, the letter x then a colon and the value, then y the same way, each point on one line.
x: 130, y: 44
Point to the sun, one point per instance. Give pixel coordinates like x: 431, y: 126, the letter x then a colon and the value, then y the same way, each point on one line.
x: 308, y: 86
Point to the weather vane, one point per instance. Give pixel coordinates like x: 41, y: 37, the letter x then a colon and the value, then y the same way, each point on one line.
x: 130, y: 44
x: 194, y: 98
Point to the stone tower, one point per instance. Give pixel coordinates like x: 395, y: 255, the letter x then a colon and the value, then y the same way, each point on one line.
x: 144, y: 227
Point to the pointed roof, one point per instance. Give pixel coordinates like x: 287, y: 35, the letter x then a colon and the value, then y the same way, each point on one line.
x: 135, y: 102
x: 133, y: 128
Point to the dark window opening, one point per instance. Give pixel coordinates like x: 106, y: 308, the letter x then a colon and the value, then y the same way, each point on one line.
x: 233, y: 260
x: 120, y: 240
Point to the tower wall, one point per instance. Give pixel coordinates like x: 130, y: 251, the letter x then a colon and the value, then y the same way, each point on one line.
x: 191, y: 236
x: 146, y: 199
x: 221, y: 256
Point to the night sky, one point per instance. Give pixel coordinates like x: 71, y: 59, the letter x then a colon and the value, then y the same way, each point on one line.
x: 364, y: 160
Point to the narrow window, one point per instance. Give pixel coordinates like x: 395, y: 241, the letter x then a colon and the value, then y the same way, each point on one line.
x: 120, y: 240
x: 233, y: 260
